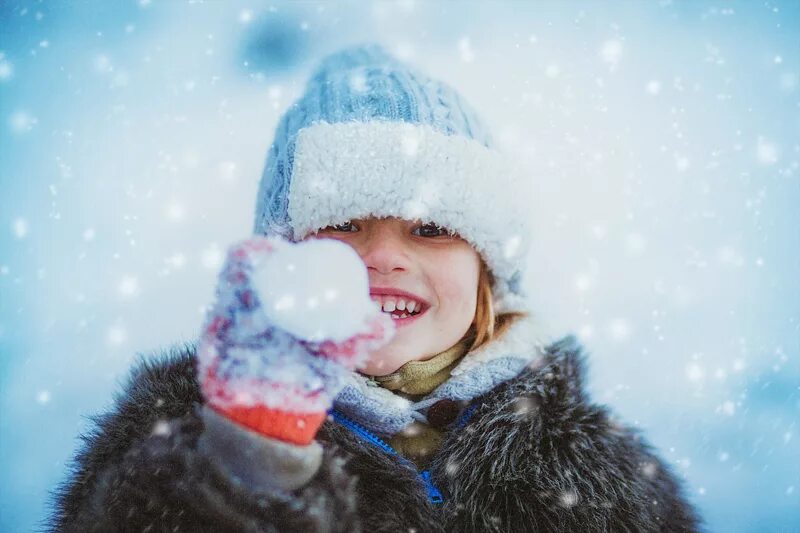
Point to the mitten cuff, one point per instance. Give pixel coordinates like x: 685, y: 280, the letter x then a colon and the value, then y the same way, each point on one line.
x: 297, y: 428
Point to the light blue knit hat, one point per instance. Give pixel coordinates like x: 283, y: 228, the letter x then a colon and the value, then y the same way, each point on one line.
x: 371, y: 136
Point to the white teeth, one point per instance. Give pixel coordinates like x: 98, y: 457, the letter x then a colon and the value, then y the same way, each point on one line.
x: 389, y: 306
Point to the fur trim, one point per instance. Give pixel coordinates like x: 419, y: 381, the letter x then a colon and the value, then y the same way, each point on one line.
x: 380, y: 168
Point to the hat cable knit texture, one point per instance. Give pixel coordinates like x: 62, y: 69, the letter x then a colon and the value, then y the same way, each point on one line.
x: 372, y: 136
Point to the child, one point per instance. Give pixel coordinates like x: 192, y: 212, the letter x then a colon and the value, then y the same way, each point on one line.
x: 305, y: 407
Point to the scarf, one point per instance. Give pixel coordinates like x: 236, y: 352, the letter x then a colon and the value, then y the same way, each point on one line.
x: 386, y: 413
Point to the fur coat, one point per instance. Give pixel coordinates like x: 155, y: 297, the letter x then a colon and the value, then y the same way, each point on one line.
x: 536, y: 454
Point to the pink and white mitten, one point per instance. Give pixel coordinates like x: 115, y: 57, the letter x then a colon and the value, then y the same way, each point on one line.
x: 290, y: 321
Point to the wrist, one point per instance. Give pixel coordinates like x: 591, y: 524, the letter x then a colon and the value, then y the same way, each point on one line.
x: 236, y: 450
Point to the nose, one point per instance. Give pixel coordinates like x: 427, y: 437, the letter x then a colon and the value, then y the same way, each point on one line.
x: 384, y: 252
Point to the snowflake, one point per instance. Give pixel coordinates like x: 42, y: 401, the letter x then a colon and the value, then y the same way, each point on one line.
x: 611, y: 52
x: 129, y: 286
x: 568, y: 498
x: 20, y: 228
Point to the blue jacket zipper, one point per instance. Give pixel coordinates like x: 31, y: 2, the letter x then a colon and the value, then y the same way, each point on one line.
x: 434, y: 495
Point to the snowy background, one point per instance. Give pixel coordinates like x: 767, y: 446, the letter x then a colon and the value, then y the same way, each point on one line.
x: 663, y: 139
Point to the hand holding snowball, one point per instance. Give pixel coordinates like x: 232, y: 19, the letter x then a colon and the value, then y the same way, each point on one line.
x: 290, y: 321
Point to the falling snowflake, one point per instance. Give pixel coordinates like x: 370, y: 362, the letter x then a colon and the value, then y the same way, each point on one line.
x: 568, y: 499
x: 176, y: 260
x: 43, y: 397
x: 653, y: 87
x: 20, y: 228
x: 6, y: 69
x: 620, y: 329
x: 583, y: 282
x: 727, y: 408
x: 22, y: 122
x: 635, y: 243
x: 175, y: 211
x: 358, y: 81
x: 650, y: 469
x: 511, y: 247
x: 465, y: 49
x: 694, y: 372
x: 116, y: 335
x: 129, y: 286
x: 552, y: 71
x: 611, y: 52
x: 161, y: 428
x: 227, y: 171
x: 766, y: 152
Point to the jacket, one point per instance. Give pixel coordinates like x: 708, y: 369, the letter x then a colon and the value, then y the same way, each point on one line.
x: 532, y: 454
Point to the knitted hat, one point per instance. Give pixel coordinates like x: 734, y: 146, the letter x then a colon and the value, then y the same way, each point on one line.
x: 371, y: 136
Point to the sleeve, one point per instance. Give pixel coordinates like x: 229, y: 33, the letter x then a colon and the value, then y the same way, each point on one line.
x: 550, y: 460
x: 162, y: 461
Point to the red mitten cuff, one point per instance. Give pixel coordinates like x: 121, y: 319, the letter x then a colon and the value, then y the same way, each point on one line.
x: 297, y: 428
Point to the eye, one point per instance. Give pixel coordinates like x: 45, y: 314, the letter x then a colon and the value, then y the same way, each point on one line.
x: 346, y: 226
x: 433, y: 230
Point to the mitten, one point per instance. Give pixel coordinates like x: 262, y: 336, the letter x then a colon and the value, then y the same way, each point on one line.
x: 290, y: 321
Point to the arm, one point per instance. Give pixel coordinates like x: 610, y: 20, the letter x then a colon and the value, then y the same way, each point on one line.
x: 228, y: 444
x: 150, y: 463
x: 554, y: 461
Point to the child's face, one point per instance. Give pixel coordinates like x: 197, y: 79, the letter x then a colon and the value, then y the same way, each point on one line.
x: 438, y: 269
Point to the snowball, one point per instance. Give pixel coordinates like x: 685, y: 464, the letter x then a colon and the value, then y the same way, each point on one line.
x: 316, y: 290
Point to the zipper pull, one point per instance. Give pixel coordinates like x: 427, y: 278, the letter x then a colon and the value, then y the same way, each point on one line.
x: 433, y: 493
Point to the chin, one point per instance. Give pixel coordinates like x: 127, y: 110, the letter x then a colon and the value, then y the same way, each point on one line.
x: 381, y: 364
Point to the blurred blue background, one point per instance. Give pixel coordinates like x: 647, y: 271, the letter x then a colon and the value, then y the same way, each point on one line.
x: 663, y: 139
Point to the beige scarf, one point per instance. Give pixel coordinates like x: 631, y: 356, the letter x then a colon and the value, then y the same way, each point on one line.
x: 418, y: 442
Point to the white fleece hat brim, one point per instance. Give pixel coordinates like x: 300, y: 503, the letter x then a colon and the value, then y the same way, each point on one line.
x: 355, y: 170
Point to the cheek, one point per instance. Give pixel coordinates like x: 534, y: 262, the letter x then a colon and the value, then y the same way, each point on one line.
x: 457, y: 285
